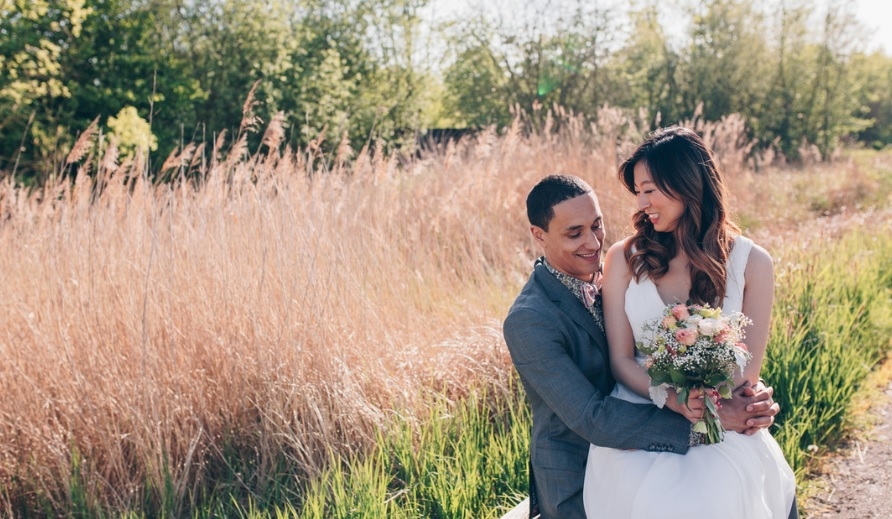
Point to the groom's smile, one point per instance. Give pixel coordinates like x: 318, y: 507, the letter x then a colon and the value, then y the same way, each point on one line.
x: 575, y: 234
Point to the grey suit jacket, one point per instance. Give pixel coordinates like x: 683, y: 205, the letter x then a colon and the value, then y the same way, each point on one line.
x: 561, y: 356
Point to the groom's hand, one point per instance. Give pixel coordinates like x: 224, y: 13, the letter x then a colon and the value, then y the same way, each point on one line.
x: 751, y: 408
x: 762, y: 408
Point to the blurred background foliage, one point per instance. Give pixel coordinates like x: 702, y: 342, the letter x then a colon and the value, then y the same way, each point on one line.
x: 383, y: 72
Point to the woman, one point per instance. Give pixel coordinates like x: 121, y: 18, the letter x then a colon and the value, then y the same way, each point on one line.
x: 684, y: 248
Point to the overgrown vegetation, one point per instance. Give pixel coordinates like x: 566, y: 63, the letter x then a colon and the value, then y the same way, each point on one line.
x: 474, y: 465
x: 268, y: 326
x: 380, y: 73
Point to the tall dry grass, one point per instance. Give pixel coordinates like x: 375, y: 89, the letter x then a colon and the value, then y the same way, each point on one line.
x: 163, y: 342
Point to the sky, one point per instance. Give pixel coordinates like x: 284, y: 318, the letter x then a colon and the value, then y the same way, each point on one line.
x: 875, y: 15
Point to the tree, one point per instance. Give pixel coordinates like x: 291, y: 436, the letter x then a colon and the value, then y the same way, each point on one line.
x: 834, y: 91
x: 724, y: 64
x: 131, y: 55
x: 478, y: 89
x: 34, y: 34
x: 793, y: 57
x: 874, y: 73
x: 550, y: 56
x: 231, y: 44
x: 646, y: 68
x: 133, y: 132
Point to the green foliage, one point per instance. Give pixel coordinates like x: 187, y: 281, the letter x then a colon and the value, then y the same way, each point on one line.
x: 828, y: 331
x: 133, y: 132
x: 724, y: 65
x: 344, y: 68
x: 796, y: 84
x: 131, y: 54
x: 468, y: 459
x: 230, y: 45
x: 475, y: 83
x: 646, y: 67
x: 34, y: 37
x: 874, y: 75
x: 557, y: 56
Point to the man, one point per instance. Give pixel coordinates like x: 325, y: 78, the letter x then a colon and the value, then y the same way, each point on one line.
x: 555, y: 334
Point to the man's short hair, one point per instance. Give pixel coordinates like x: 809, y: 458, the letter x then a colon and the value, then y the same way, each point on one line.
x: 549, y: 192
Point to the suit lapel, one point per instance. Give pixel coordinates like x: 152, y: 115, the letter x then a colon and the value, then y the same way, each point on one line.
x: 570, y: 305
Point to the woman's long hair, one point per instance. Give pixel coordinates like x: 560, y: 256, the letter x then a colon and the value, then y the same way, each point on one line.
x: 684, y: 169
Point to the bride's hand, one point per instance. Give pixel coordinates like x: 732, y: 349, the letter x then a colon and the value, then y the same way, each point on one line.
x: 695, y: 407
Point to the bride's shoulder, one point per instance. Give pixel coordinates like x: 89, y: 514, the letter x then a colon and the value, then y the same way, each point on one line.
x: 617, y: 251
x: 759, y: 262
x: 615, y: 260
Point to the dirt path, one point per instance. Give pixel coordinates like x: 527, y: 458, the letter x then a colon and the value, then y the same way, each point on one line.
x: 858, y: 484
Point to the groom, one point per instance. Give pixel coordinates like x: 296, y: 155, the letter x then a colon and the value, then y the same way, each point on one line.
x: 555, y: 334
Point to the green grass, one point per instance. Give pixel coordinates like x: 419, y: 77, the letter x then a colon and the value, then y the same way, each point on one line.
x: 467, y: 460
x: 832, y: 324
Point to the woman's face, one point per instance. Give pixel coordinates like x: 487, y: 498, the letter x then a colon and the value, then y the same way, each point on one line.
x: 662, y: 210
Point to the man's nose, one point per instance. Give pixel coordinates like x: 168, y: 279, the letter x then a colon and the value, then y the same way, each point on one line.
x: 593, y: 240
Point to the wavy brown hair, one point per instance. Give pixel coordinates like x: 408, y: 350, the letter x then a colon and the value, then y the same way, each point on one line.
x: 685, y: 169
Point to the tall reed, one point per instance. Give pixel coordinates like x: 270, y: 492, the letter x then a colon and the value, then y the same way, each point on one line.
x: 469, y: 459
x: 228, y: 332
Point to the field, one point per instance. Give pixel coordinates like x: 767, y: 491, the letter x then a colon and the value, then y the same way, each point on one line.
x: 302, y: 334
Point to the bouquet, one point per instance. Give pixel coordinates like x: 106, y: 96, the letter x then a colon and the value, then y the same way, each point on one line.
x: 695, y: 346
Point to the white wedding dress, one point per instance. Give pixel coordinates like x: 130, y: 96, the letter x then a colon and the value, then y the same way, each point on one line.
x: 743, y: 477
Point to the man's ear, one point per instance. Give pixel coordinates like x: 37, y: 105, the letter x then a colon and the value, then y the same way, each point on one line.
x: 538, y: 234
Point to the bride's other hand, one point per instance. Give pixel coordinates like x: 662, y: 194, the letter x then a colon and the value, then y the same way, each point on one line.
x: 751, y: 408
x: 695, y: 407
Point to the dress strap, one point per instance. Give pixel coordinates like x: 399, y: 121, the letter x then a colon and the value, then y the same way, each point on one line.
x: 736, y: 267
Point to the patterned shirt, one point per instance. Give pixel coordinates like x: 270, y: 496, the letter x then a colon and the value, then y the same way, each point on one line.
x: 589, y: 294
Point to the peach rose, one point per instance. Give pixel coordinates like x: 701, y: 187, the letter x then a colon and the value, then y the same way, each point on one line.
x: 686, y: 336
x: 680, y: 312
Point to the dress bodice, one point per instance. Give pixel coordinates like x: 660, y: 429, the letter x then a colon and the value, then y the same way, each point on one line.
x: 643, y: 301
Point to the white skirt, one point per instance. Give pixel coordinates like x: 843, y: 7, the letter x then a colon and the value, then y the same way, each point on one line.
x: 743, y: 477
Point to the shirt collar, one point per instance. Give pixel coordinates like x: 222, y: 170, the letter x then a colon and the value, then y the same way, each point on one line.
x: 587, y: 293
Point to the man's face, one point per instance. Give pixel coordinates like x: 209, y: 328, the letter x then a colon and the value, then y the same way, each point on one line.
x: 572, y: 243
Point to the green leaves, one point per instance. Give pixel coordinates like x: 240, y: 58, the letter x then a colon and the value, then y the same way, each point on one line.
x: 34, y: 34
x: 133, y: 132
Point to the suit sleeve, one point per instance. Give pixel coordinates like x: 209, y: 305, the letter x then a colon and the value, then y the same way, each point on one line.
x: 537, y: 341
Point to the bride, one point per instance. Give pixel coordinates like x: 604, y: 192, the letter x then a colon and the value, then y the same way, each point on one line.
x: 684, y: 248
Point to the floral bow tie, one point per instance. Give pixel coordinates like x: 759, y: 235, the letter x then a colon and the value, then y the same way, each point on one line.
x: 591, y: 290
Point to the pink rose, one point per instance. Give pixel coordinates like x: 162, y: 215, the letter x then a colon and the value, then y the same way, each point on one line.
x: 680, y: 312
x: 669, y: 322
x: 742, y: 346
x: 686, y: 336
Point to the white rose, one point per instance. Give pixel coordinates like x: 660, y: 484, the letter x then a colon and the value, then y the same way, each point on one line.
x: 693, y: 320
x: 709, y: 326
